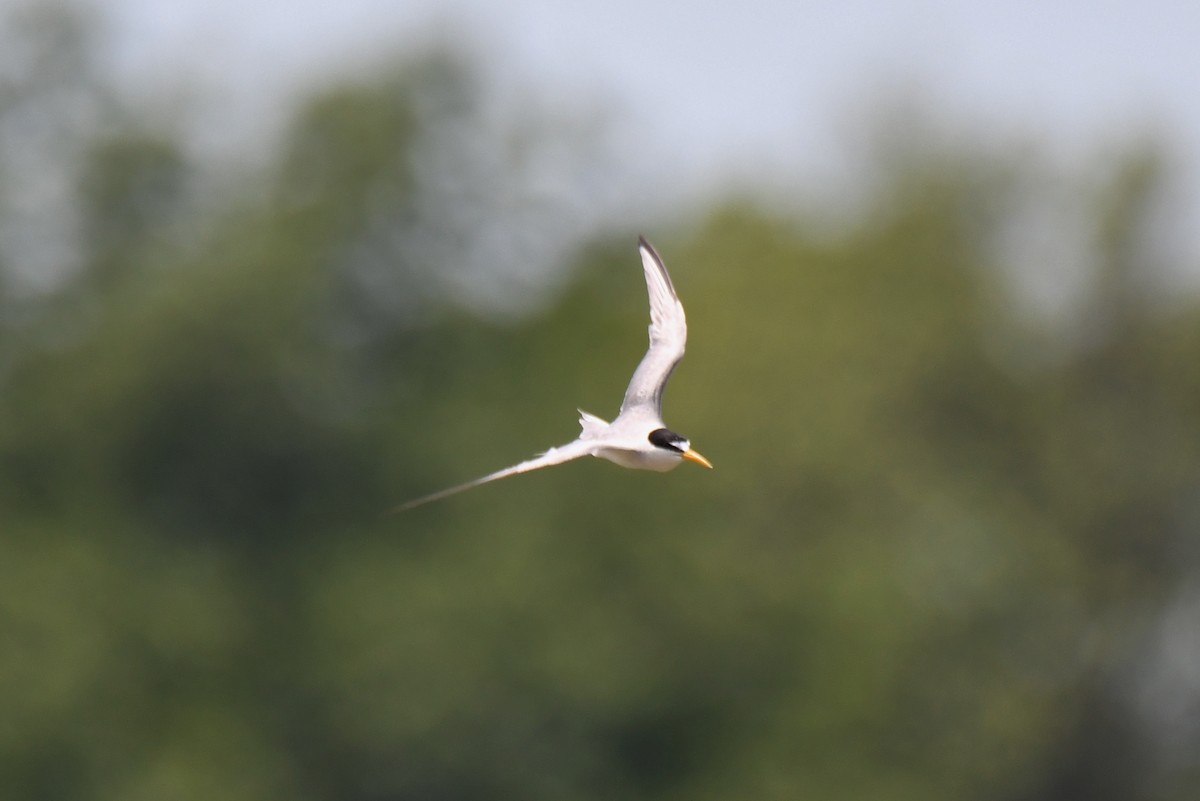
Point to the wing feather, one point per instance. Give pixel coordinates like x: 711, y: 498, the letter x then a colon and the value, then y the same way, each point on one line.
x: 668, y: 335
x: 563, y: 453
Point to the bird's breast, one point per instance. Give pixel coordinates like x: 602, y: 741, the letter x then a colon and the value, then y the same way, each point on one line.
x: 658, y: 460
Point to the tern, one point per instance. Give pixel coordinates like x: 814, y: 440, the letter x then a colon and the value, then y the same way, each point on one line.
x: 637, y: 438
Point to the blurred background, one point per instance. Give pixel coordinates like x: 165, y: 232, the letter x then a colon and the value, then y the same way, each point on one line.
x: 267, y: 271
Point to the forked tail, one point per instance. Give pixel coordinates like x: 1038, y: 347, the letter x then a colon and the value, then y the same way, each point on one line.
x: 591, y: 425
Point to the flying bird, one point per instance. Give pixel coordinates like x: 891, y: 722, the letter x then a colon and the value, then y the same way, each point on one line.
x: 638, y: 438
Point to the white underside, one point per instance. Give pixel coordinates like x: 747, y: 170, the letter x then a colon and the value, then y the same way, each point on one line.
x: 657, y: 459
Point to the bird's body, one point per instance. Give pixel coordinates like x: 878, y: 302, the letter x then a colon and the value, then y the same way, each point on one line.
x: 637, y: 438
x: 623, y: 442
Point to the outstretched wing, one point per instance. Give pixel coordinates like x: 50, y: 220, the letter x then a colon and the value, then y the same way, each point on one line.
x: 668, y: 335
x: 563, y: 453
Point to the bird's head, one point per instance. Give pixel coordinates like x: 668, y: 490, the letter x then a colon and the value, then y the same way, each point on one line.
x: 668, y: 440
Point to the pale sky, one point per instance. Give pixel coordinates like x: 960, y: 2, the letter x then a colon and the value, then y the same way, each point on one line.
x: 718, y: 80
x: 696, y: 92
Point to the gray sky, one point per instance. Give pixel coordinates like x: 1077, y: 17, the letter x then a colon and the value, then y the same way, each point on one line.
x: 712, y: 80
x: 697, y: 92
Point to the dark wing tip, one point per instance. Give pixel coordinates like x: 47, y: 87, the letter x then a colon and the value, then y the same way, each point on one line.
x: 643, y: 243
x: 662, y: 267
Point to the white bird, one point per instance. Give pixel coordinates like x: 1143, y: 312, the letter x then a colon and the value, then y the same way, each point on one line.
x: 637, y: 438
